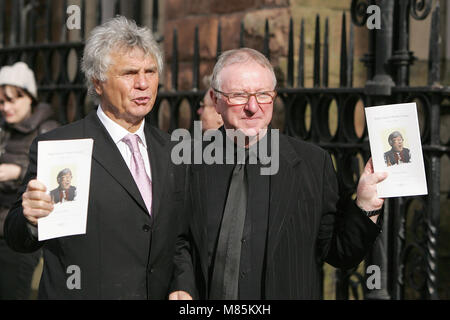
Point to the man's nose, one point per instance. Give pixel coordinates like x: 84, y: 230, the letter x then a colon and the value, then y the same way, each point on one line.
x: 252, y: 105
x: 141, y: 81
x: 200, y: 111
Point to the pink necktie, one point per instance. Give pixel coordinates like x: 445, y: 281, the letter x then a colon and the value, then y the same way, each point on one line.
x: 138, y: 170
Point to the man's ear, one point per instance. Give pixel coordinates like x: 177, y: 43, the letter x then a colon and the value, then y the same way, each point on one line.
x: 213, y: 96
x: 97, y: 86
x: 214, y: 99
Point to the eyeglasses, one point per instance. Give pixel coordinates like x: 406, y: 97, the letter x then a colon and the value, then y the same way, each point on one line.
x: 241, y: 98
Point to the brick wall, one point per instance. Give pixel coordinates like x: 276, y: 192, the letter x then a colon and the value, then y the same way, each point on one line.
x: 185, y: 15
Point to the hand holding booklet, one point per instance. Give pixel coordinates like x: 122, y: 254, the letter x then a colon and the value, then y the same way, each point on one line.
x: 397, y: 149
x: 64, y: 166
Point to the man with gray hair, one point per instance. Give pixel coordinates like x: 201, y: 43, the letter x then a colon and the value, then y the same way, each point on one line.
x: 136, y: 193
x: 254, y: 236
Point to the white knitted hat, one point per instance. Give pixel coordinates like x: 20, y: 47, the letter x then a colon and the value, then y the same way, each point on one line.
x: 19, y: 75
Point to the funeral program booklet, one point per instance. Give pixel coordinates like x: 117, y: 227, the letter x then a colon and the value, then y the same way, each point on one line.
x: 396, y: 148
x: 64, y: 166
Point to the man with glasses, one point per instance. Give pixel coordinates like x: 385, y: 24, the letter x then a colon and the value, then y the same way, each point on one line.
x: 255, y: 236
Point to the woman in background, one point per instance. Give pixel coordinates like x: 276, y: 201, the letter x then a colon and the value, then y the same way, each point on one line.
x: 22, y: 119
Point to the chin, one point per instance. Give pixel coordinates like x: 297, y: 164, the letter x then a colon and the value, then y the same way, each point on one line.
x: 141, y: 111
x: 250, y: 132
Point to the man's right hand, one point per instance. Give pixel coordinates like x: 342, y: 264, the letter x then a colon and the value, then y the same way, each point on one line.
x: 35, y: 202
x: 180, y: 295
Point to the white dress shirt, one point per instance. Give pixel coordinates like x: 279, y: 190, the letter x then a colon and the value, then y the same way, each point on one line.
x: 117, y: 133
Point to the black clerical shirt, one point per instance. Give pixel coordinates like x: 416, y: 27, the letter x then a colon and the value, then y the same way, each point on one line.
x: 251, y: 277
x: 254, y: 238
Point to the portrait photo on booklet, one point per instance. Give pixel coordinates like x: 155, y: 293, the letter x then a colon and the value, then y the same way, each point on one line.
x: 64, y: 166
x: 396, y: 148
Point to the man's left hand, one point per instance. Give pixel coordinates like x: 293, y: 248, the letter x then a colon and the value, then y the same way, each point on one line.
x: 366, y: 193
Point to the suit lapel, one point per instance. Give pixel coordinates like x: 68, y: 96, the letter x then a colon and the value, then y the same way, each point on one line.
x: 200, y: 219
x: 159, y: 160
x: 209, y: 186
x: 107, y: 154
x: 281, y: 186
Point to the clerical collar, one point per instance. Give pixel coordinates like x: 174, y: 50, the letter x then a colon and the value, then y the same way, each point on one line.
x: 252, y: 154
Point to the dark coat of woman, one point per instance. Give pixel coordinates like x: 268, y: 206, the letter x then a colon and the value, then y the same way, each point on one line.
x: 15, y: 141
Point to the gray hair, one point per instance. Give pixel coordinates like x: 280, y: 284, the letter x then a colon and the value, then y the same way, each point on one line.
x: 394, y: 135
x: 118, y: 32
x: 241, y: 55
x: 63, y: 172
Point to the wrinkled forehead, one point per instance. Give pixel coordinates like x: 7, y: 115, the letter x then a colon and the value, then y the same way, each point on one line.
x: 122, y: 54
x: 243, y: 75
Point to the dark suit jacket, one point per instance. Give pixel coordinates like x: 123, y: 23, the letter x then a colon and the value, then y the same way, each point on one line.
x: 305, y: 228
x: 124, y: 254
x: 56, y: 196
x: 389, y: 157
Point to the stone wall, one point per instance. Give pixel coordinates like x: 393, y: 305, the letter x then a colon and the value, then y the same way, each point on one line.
x: 185, y: 15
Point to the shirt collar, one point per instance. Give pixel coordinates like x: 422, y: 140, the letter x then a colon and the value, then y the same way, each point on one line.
x: 117, y: 132
x: 264, y: 142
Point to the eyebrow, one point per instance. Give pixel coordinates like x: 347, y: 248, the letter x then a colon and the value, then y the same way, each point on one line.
x: 136, y: 70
